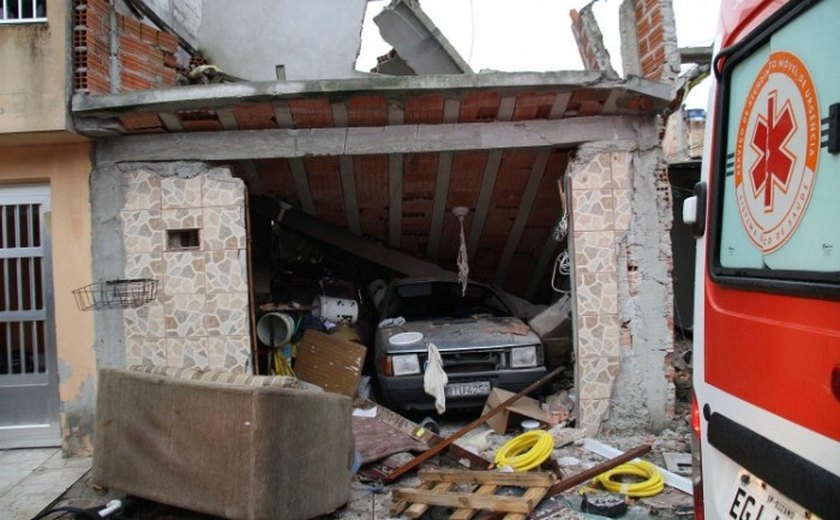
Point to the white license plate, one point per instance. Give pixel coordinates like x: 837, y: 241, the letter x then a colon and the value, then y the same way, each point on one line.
x: 752, y: 499
x: 467, y: 389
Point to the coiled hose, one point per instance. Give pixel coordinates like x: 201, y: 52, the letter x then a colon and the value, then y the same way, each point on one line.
x: 525, y: 451
x: 652, y: 485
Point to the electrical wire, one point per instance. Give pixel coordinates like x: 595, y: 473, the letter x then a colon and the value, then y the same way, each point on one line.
x: 652, y: 485
x: 525, y: 451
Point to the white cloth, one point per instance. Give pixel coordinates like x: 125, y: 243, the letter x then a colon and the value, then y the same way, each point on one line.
x: 435, y: 379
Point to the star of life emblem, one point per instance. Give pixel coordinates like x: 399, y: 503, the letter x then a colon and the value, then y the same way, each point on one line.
x: 776, y: 151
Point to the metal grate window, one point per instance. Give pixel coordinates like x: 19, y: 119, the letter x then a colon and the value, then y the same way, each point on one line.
x: 22, y: 306
x: 23, y: 11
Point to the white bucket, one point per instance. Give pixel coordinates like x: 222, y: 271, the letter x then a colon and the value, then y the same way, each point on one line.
x: 275, y: 329
x: 336, y: 310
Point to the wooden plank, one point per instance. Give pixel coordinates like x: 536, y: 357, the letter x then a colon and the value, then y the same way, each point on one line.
x: 301, y: 181
x: 279, y: 143
x: 437, y: 448
x: 348, y: 188
x: 397, y: 507
x: 466, y: 514
x: 417, y: 510
x: 584, y: 476
x: 439, y: 205
x: 522, y: 479
x: 525, y: 206
x: 485, y: 197
x: 395, y: 196
x: 536, y: 494
x: 331, y: 363
x: 504, y: 504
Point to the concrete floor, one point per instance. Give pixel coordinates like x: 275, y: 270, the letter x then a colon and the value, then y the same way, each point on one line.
x: 32, y: 479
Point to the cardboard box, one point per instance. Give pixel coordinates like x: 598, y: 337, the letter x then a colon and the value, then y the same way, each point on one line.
x: 524, y: 406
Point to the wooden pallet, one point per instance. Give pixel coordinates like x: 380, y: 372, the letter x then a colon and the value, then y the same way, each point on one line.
x: 437, y: 488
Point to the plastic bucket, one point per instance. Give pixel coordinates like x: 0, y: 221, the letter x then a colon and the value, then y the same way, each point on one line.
x: 275, y: 329
x: 336, y: 310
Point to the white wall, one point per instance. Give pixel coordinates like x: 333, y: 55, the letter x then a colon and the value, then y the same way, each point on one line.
x: 314, y: 39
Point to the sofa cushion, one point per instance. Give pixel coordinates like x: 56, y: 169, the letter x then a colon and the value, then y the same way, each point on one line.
x: 221, y: 376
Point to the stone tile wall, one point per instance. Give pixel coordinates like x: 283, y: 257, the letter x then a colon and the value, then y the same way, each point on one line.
x: 600, y: 216
x: 620, y: 221
x: 200, y: 317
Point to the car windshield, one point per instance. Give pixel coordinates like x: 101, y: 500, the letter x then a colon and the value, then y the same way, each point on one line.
x: 443, y: 300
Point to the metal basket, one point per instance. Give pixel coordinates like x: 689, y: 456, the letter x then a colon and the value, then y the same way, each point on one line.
x: 116, y: 294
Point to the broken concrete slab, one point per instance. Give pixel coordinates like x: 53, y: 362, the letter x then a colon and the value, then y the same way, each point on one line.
x: 418, y: 41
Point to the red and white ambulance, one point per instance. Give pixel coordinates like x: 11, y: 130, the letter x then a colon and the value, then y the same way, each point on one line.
x: 767, y: 318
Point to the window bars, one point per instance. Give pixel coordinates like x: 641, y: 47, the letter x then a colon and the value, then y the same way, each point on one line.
x: 23, y: 11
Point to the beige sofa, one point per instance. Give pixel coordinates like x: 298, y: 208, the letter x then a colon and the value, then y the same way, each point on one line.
x: 245, y: 447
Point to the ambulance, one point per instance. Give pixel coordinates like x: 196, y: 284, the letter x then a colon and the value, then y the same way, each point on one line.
x: 766, y: 412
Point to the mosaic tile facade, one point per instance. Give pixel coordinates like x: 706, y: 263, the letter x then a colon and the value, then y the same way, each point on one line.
x: 200, y: 318
x: 600, y: 216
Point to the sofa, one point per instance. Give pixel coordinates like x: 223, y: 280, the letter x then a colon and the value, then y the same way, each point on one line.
x: 235, y: 446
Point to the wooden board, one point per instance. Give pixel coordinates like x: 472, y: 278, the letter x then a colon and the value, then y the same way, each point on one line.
x: 332, y: 363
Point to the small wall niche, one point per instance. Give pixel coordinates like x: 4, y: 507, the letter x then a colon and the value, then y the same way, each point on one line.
x: 179, y: 239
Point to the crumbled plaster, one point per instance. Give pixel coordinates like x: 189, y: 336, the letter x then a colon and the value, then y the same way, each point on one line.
x: 643, y: 393
x: 77, y: 420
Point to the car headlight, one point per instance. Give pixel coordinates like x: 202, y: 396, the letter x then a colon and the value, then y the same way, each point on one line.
x: 523, y: 357
x: 405, y: 365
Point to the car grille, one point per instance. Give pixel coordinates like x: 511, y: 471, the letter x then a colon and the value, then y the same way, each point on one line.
x: 459, y: 362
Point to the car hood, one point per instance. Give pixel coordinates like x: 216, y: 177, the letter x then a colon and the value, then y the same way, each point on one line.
x: 463, y: 334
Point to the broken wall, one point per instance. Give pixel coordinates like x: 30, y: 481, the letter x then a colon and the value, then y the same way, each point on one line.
x: 316, y: 39
x: 620, y: 217
x: 649, y: 39
x: 182, y: 224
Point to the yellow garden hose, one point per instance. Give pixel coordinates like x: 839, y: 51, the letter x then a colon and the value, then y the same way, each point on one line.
x: 526, y: 451
x: 653, y: 485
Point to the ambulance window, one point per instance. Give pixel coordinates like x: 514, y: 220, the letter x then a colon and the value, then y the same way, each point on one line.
x: 779, y: 211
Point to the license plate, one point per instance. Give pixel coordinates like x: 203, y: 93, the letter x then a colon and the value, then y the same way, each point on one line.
x: 467, y: 389
x: 754, y: 500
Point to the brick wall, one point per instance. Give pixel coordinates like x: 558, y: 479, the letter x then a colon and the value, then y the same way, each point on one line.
x: 590, y: 42
x: 146, y: 56
x: 650, y: 43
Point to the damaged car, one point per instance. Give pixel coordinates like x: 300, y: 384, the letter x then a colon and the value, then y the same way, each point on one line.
x: 481, y: 343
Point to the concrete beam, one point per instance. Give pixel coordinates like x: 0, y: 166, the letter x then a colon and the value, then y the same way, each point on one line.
x: 270, y: 144
x: 698, y: 55
x: 439, y: 205
x: 417, y: 40
x: 395, y: 197
x: 485, y: 196
x: 525, y: 205
x: 222, y: 95
x: 356, y: 245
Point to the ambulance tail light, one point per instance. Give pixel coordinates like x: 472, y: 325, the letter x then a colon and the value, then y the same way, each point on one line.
x: 696, y: 460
